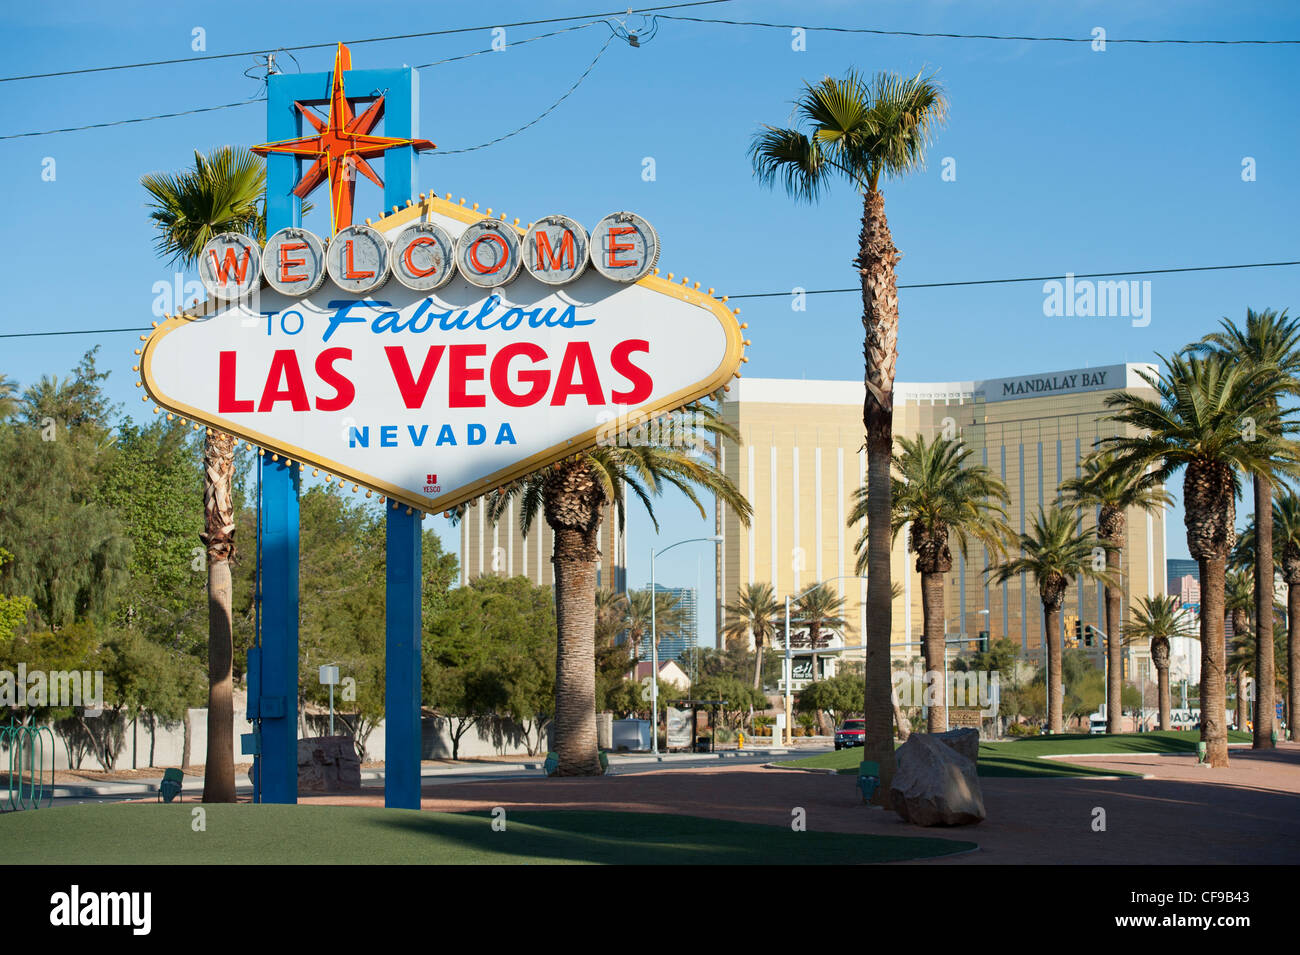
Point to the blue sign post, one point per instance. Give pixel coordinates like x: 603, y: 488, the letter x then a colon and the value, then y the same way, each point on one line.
x: 273, y: 676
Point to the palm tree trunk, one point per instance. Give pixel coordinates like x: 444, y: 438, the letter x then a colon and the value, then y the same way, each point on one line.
x: 1264, y: 675
x: 218, y: 535
x: 1243, y: 698
x: 1114, y: 599
x: 575, y: 654
x: 1055, y: 698
x: 932, y: 610
x: 1162, y: 693
x: 758, y: 661
x: 1214, y: 693
x: 1293, y: 655
x: 877, y: 258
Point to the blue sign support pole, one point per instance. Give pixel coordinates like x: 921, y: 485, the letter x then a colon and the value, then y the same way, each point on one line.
x: 276, y: 702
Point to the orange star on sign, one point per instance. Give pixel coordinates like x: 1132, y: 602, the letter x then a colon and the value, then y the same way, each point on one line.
x: 341, y: 147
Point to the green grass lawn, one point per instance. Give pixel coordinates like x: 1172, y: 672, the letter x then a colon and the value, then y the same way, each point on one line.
x: 139, y: 833
x: 1021, y: 757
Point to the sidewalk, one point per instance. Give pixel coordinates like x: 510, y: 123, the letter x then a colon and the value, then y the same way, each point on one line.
x: 526, y: 766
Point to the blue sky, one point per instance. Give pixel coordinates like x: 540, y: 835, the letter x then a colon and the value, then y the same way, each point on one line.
x: 1066, y: 160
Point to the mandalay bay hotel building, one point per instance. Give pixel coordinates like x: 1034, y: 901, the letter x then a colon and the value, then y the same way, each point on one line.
x: 801, y: 458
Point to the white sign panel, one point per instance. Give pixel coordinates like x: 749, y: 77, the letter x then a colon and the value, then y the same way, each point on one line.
x: 434, y: 396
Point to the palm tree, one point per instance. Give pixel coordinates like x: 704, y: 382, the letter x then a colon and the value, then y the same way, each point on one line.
x: 571, y: 495
x: 753, y: 613
x: 1238, y: 602
x: 611, y: 607
x: 1269, y: 341
x: 1055, y: 551
x: 224, y: 192
x: 862, y: 130
x: 819, y: 608
x: 1286, y: 545
x: 939, y: 493
x: 1114, y: 493
x: 669, y: 617
x: 1213, y: 417
x: 1155, y: 620
x: 8, y: 396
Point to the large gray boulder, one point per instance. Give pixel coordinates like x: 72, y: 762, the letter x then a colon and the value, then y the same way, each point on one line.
x: 965, y: 741
x: 935, y: 785
x: 328, y: 764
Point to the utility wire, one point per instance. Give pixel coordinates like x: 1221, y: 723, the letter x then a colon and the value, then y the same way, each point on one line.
x: 373, y: 39
x: 1032, y: 278
x: 970, y: 36
x: 824, y: 291
x: 140, y: 119
x: 262, y: 99
x: 567, y: 93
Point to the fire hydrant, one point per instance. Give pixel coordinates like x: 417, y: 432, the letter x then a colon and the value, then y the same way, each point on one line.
x: 740, y: 741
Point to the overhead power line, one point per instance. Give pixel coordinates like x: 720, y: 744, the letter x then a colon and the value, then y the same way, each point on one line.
x: 971, y: 36
x: 262, y: 99
x: 373, y: 39
x: 824, y: 291
x: 1031, y: 278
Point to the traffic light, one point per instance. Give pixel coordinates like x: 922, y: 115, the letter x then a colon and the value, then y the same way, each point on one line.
x: 1078, y: 631
x: 1087, y: 635
x: 983, y: 641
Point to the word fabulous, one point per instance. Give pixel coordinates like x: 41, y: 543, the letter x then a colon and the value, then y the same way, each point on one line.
x: 556, y: 250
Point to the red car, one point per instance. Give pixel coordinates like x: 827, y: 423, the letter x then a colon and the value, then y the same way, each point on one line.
x: 849, y: 734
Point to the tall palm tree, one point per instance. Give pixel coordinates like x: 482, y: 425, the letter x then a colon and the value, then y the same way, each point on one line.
x: 1286, y: 538
x: 753, y: 613
x: 571, y: 495
x: 1113, y: 493
x: 939, y: 493
x: 1270, y: 340
x: 863, y: 131
x: 1155, y: 620
x: 611, y: 608
x: 223, y: 192
x: 1214, y: 418
x: 1055, y: 551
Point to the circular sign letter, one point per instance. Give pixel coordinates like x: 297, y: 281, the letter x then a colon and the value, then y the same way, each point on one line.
x: 487, y: 253
x: 230, y: 265
x: 624, y: 247
x: 358, y: 259
x: 555, y: 250
x: 294, y: 262
x: 424, y: 257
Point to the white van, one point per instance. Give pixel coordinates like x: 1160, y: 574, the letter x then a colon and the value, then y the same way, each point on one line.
x: 1097, y: 722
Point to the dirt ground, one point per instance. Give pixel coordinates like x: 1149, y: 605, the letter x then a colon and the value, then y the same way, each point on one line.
x: 1244, y: 814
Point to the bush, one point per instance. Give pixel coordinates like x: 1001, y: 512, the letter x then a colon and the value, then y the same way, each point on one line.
x: 1021, y: 729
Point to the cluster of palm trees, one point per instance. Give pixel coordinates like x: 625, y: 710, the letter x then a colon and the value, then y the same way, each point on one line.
x: 757, y: 614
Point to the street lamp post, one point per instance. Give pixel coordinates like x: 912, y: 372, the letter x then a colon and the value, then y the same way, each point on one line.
x: 654, y: 640
x: 789, y: 657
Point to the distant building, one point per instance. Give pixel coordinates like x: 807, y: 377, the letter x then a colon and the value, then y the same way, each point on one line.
x: 1178, y: 568
x: 673, y: 646
x: 669, y: 672
x: 1187, y: 590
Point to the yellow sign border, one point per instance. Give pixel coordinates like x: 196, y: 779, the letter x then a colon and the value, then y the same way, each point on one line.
x: 725, y: 371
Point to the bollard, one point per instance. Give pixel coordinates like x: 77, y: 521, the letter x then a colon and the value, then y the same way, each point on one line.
x: 740, y: 741
x: 1200, y: 751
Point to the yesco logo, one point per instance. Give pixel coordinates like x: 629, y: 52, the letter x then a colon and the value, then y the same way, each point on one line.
x: 74, y: 908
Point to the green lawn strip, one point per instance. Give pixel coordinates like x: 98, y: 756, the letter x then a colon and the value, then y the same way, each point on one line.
x: 135, y: 833
x: 1022, y: 757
